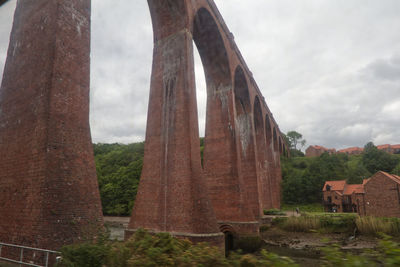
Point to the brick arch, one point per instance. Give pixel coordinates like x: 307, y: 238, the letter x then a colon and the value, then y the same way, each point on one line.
x: 275, y: 140
x: 244, y: 131
x: 172, y: 194
x: 241, y: 90
x: 261, y: 156
x: 227, y: 228
x: 219, y: 143
x: 268, y: 130
x: 280, y: 145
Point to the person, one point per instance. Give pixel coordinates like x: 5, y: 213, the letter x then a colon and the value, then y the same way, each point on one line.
x: 297, y: 210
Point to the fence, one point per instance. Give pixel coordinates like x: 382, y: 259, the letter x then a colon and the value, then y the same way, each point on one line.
x: 23, y: 249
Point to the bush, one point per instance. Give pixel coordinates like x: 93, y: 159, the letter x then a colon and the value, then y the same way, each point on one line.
x: 386, y: 254
x: 144, y: 249
x: 313, y: 207
x: 84, y: 255
x: 274, y: 212
x: 279, y: 221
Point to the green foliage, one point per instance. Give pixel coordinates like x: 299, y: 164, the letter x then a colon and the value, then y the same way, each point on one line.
x: 144, y: 249
x: 87, y: 254
x: 303, y: 178
x: 294, y: 138
x: 84, y: 255
x: 374, y: 226
x: 396, y: 170
x: 387, y: 254
x: 322, y: 222
x: 118, y: 170
x: 376, y: 160
x: 334, y: 257
x: 274, y: 212
x: 313, y: 207
x: 301, y: 224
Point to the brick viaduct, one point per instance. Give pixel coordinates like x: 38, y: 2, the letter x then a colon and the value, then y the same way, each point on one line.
x: 48, y: 186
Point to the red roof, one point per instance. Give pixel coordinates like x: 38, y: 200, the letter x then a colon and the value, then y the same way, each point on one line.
x: 319, y: 147
x: 396, y: 146
x: 350, y: 149
x: 365, y: 181
x: 335, y: 185
x: 353, y: 188
x: 383, y: 146
x: 322, y: 148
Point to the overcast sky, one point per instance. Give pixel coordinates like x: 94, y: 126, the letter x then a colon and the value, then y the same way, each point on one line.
x: 327, y: 69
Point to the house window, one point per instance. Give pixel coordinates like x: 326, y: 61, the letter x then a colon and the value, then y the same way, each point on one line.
x: 329, y: 199
x: 335, y: 197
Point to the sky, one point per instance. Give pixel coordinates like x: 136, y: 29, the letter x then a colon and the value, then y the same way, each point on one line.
x: 328, y: 69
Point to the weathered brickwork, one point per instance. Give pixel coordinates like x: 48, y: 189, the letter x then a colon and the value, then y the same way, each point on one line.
x: 382, y: 195
x: 49, y: 192
x: 241, y: 174
x: 48, y: 187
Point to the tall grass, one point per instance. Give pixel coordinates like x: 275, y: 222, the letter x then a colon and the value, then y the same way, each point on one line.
x: 301, y: 224
x: 340, y: 223
x: 374, y: 225
x: 321, y: 222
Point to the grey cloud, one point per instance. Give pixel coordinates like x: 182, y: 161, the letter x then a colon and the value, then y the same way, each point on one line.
x: 386, y: 69
x: 328, y: 69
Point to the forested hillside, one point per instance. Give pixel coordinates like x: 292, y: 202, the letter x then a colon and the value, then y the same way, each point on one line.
x: 119, y: 166
x: 118, y: 169
x: 303, y: 178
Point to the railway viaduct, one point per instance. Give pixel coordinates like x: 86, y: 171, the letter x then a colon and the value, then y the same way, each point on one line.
x: 48, y: 188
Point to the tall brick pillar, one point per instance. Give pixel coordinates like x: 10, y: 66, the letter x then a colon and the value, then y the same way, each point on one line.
x: 48, y: 187
x: 172, y: 195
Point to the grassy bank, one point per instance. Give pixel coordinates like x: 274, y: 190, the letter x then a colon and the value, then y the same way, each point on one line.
x: 313, y: 207
x: 339, y: 223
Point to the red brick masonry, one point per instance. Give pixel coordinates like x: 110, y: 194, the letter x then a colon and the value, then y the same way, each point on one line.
x: 48, y: 187
x: 243, y: 144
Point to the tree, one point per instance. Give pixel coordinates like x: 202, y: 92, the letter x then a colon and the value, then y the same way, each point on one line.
x: 294, y: 138
x: 376, y: 160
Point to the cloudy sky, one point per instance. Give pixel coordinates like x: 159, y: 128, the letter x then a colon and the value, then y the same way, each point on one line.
x: 329, y: 69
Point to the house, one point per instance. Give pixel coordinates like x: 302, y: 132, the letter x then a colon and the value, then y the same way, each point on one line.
x: 315, y: 151
x: 382, y: 195
x: 387, y: 148
x: 338, y: 196
x: 378, y: 196
x: 396, y: 149
x: 351, y: 150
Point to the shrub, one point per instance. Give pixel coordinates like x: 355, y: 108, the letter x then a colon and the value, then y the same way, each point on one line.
x: 386, y: 254
x: 144, y: 249
x: 279, y: 221
x: 84, y: 255
x: 274, y: 212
